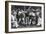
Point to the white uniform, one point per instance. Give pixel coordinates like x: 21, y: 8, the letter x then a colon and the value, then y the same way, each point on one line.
x: 15, y: 24
x: 39, y: 21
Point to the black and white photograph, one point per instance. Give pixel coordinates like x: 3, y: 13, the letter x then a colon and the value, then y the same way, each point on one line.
x: 25, y: 16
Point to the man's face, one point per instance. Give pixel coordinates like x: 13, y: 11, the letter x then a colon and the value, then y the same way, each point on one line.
x: 37, y: 13
x: 14, y: 13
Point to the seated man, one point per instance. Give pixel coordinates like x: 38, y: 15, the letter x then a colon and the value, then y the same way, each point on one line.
x: 14, y: 20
